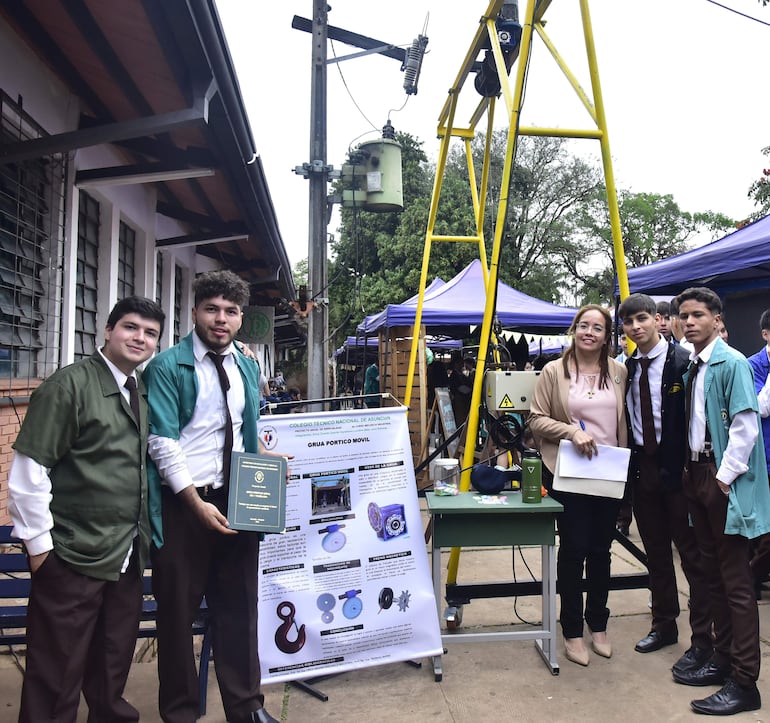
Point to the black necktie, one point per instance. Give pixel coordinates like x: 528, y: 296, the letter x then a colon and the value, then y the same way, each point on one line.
x: 224, y: 383
x: 650, y: 441
x: 133, y: 398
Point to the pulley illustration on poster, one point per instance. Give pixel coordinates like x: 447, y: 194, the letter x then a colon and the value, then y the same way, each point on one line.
x: 348, y: 584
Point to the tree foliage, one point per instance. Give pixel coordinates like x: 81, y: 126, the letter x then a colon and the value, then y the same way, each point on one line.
x: 759, y: 191
x: 377, y: 258
x: 652, y: 226
x: 547, y: 184
x: 300, y: 272
x: 556, y: 241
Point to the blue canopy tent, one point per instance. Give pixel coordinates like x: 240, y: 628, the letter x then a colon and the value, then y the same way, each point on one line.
x: 548, y: 345
x: 737, y: 267
x: 460, y: 302
x: 359, y: 343
x: 739, y: 261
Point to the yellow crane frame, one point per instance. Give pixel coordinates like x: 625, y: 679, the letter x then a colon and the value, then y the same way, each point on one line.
x: 485, y: 36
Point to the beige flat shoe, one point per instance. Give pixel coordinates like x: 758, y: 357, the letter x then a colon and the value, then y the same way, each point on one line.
x: 575, y: 651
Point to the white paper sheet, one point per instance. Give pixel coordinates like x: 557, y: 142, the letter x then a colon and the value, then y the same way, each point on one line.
x: 611, y: 463
x: 604, y: 475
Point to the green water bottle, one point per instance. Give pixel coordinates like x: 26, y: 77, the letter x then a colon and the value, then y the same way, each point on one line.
x: 531, y: 477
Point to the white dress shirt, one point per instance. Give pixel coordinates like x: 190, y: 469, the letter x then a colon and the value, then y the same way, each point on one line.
x: 764, y: 395
x: 655, y: 376
x: 29, y: 487
x: 742, y: 434
x: 196, y: 458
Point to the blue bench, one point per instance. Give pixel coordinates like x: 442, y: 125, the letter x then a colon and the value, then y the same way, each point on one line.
x: 14, y: 593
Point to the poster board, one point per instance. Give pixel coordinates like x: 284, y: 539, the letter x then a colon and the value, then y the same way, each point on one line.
x: 447, y: 416
x: 348, y: 584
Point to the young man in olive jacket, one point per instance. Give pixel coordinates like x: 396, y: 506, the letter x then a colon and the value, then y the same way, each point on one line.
x: 78, y: 501
x: 657, y: 436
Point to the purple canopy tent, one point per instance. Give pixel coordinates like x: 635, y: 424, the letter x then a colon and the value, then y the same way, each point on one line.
x: 460, y: 302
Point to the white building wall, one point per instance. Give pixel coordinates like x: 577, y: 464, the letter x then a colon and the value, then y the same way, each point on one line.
x: 23, y: 76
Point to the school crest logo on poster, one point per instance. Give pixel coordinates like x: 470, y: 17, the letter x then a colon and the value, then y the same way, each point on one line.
x: 269, y: 436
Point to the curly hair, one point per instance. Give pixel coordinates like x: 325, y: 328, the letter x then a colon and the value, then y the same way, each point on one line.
x: 226, y: 284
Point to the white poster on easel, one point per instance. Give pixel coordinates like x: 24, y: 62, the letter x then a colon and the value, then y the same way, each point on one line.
x: 348, y: 584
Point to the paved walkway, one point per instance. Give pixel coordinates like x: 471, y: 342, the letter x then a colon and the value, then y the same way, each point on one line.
x: 483, y: 681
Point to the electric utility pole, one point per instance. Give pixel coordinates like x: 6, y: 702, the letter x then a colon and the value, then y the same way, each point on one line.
x: 319, y: 173
x: 318, y: 327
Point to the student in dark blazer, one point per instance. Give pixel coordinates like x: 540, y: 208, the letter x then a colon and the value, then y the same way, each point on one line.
x: 657, y: 434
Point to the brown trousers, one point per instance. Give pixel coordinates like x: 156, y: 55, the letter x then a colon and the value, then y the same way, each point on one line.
x: 731, y: 585
x: 194, y: 562
x: 81, y: 633
x: 662, y: 518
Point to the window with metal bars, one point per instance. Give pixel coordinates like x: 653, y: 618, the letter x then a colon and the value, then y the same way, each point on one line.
x: 159, y: 286
x: 126, y: 260
x: 159, y: 278
x: 86, y: 296
x: 178, y: 278
x: 32, y: 223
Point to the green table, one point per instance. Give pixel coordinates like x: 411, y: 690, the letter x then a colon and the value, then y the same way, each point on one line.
x: 463, y: 521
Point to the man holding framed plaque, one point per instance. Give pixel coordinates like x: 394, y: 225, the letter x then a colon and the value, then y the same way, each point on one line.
x: 204, y: 404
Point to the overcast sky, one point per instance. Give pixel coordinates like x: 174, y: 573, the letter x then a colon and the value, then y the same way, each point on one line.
x: 684, y: 85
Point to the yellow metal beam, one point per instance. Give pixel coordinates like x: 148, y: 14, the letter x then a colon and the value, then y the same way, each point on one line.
x: 609, y: 175
x: 485, y: 38
x: 573, y: 81
x: 594, y: 133
x: 491, y: 295
x: 435, y: 195
x: 477, y: 44
x: 458, y: 239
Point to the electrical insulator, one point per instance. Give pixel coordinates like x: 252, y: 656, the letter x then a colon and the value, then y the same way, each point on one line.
x: 413, y: 63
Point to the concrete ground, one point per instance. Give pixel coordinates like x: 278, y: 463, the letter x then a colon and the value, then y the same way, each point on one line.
x: 483, y: 681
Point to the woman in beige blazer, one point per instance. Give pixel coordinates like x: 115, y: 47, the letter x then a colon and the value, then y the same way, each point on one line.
x: 580, y: 397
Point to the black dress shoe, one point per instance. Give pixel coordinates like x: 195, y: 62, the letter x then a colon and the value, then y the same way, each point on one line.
x: 655, y: 641
x: 256, y: 716
x: 262, y: 716
x: 730, y: 699
x: 708, y: 674
x: 692, y: 659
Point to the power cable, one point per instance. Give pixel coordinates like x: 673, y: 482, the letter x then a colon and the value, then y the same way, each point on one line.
x: 345, y: 83
x: 738, y: 12
x: 398, y: 110
x: 515, y: 581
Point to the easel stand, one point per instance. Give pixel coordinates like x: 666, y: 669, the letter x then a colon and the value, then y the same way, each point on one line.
x: 307, y: 686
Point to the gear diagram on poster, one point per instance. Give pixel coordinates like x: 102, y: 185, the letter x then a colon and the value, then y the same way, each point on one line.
x: 403, y: 600
x: 353, y: 606
x: 333, y: 540
x: 388, y: 522
x: 325, y: 604
x: 385, y: 599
